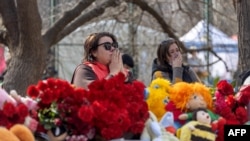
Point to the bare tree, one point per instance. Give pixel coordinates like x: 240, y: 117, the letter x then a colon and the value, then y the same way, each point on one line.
x: 28, y: 45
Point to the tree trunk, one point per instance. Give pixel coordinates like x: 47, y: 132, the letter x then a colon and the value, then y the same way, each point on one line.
x: 28, y: 51
x: 243, y: 16
x: 26, y: 66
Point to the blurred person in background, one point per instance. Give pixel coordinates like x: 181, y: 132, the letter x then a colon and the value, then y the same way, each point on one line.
x: 128, y: 63
x: 169, y: 64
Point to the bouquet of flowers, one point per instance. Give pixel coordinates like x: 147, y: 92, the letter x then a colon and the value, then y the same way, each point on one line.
x: 229, y: 105
x: 109, y: 109
x: 15, y: 109
x: 59, y: 104
x: 118, y: 107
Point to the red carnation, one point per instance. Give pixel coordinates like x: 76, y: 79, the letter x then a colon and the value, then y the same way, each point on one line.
x: 243, y: 96
x: 3, y: 119
x: 230, y: 101
x: 110, y: 106
x: 22, y: 110
x: 42, y: 85
x: 9, y: 109
x: 32, y: 91
x: 225, y: 88
x: 241, y: 114
x: 47, y: 97
x: 86, y: 113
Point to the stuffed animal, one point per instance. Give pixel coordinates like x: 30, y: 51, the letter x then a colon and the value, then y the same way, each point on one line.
x: 17, y: 132
x: 29, y: 102
x: 178, y: 96
x: 199, y: 128
x: 14, y: 98
x: 191, y: 96
x: 187, y: 97
x: 5, y: 97
x: 154, y: 131
x: 158, y: 96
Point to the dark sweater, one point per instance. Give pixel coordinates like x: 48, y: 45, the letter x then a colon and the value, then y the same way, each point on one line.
x: 184, y: 73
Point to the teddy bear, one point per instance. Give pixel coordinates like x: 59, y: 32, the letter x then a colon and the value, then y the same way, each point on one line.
x: 18, y: 132
x: 154, y: 131
x: 199, y: 128
x: 158, y: 96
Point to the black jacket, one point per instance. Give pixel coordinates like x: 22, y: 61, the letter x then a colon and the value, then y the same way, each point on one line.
x: 188, y: 74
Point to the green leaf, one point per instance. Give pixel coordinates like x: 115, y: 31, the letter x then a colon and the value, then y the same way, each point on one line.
x: 216, y: 80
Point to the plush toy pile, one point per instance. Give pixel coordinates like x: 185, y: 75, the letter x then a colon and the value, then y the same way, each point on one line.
x: 226, y: 107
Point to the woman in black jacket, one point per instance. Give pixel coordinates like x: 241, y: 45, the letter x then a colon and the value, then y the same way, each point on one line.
x: 169, y: 65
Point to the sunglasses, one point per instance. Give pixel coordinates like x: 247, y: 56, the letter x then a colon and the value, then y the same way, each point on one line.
x: 108, y: 45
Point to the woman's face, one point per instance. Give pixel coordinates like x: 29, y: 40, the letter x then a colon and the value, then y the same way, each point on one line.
x: 103, y: 55
x: 173, y: 52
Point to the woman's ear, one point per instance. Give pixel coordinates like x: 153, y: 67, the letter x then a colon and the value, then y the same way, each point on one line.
x: 93, y: 53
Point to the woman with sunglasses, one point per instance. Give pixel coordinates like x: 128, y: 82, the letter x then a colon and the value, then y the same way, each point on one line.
x: 169, y: 65
x: 102, y: 60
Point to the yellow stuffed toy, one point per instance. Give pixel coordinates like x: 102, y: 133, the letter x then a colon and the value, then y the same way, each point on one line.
x: 17, y: 132
x: 158, y: 96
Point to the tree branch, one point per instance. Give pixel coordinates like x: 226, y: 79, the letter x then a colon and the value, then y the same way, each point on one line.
x: 220, y: 59
x: 30, y: 24
x: 213, y: 52
x: 166, y: 28
x: 51, y: 35
x: 85, y: 18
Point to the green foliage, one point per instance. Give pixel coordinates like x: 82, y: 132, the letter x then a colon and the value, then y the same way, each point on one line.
x: 48, y: 116
x: 213, y: 88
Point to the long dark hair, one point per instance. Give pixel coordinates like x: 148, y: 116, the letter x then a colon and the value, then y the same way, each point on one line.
x: 91, y: 44
x: 163, y: 50
x: 163, y: 64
